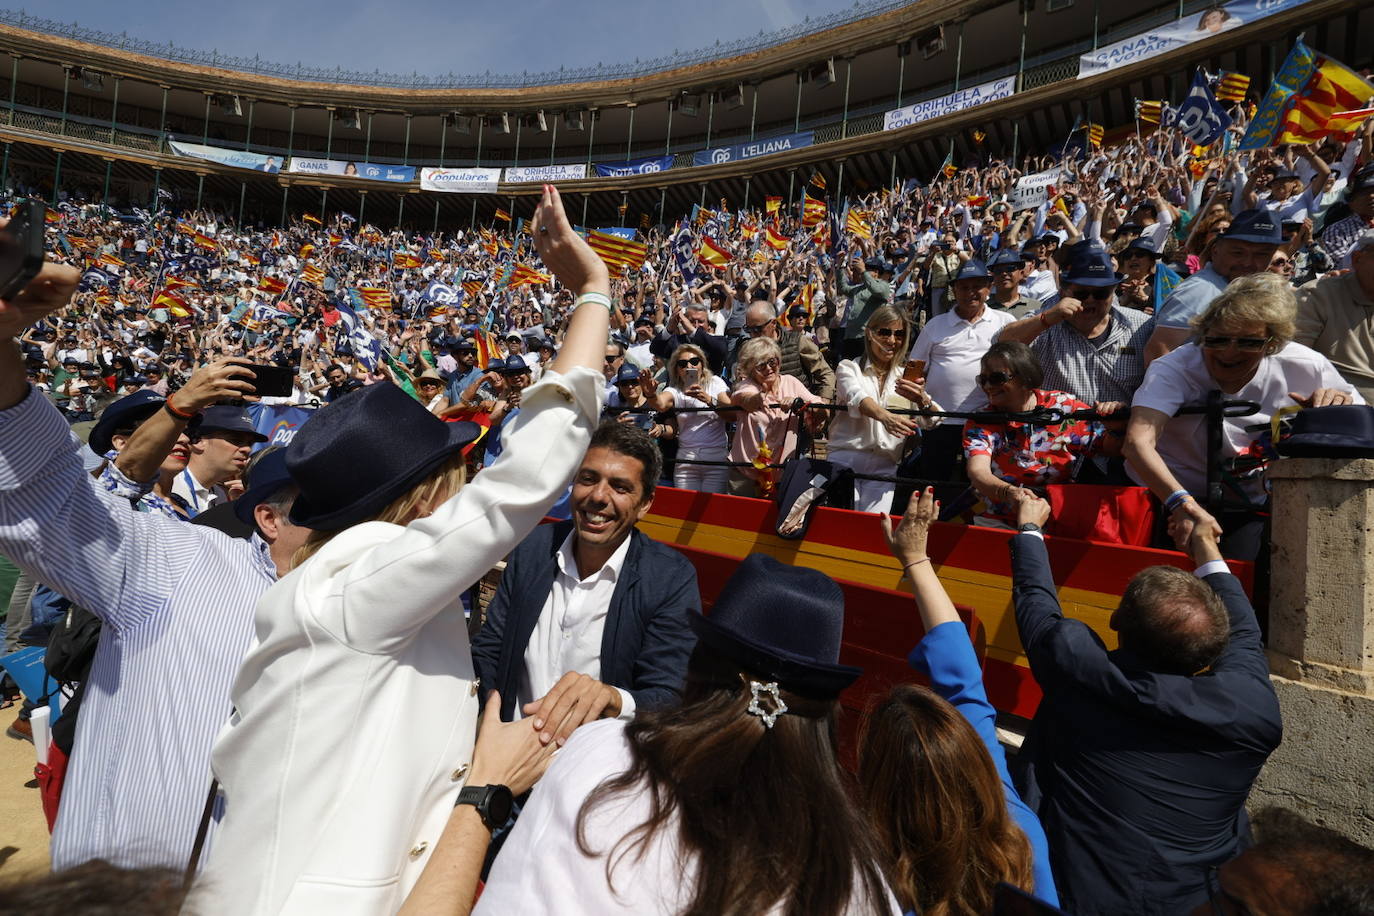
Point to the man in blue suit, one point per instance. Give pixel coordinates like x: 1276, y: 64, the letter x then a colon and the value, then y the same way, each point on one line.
x: 1142, y: 757
x: 591, y: 618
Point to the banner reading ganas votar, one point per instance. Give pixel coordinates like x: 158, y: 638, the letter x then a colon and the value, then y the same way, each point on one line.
x: 1191, y: 28
x: 365, y: 170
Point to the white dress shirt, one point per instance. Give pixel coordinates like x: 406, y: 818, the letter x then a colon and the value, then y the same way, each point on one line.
x: 567, y: 636
x: 952, y: 348
x: 198, y: 496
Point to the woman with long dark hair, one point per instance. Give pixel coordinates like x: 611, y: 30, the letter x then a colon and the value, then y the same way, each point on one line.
x: 731, y: 804
x: 935, y: 782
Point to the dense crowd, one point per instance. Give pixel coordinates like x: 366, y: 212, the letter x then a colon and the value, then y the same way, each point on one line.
x: 944, y: 351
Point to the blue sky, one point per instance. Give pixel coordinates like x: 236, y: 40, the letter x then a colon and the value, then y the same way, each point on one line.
x: 437, y: 37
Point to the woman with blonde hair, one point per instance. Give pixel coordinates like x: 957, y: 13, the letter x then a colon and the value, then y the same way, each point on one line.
x: 950, y: 824
x: 1243, y: 345
x: 701, y: 434
x: 355, y: 713
x: 867, y: 436
x: 766, y: 395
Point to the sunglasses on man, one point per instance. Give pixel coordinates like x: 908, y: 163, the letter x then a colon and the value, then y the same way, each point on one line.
x: 1100, y: 293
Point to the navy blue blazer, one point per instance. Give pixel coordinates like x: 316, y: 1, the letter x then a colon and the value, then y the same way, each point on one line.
x: 647, y: 639
x: 1141, y: 777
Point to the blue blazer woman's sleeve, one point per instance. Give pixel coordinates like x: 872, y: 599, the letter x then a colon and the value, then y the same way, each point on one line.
x: 946, y: 656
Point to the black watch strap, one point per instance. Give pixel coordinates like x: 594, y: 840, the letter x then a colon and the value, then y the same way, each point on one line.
x: 493, y: 803
x: 1028, y: 528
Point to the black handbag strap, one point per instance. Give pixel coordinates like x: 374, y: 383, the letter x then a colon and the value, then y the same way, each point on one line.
x: 201, y: 832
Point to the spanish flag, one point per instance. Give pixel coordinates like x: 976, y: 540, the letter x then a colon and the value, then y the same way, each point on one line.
x: 171, y: 303
x: 487, y: 348
x: 813, y: 212
x: 273, y: 286
x: 335, y: 240
x: 712, y: 254
x: 313, y: 274
x: 617, y: 251
x: 404, y: 260
x: 52, y: 216
x: 251, y: 260
x: 306, y: 250
x: 775, y: 239
x: 502, y: 215
x: 948, y: 168
x: 772, y: 204
x: 312, y: 218
x: 1232, y: 87
x: 178, y: 283
x: 748, y: 229
x: 204, y: 241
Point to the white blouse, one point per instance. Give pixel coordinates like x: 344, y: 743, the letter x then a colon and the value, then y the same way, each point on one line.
x: 853, y: 431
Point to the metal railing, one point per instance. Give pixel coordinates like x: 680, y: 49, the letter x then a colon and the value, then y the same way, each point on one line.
x: 862, y: 9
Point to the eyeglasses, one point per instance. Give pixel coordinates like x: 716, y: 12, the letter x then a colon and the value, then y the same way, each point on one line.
x: 429, y: 384
x: 888, y: 333
x: 689, y: 361
x: 1251, y: 344
x: 993, y: 378
x: 1100, y: 293
x: 755, y: 329
x: 610, y: 359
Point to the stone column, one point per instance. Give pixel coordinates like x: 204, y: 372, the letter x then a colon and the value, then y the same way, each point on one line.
x: 1321, y: 643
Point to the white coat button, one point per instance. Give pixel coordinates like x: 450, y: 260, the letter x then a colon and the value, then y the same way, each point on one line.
x: 419, y: 849
x: 460, y: 772
x: 472, y: 691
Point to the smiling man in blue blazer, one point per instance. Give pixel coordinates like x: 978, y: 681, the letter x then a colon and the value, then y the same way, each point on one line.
x: 591, y: 618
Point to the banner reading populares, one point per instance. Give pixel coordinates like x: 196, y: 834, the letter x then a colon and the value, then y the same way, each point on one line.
x: 1181, y: 32
x: 461, y: 181
x: 634, y: 167
x: 365, y: 170
x: 530, y: 173
x: 948, y: 104
x: 765, y: 147
x: 232, y: 157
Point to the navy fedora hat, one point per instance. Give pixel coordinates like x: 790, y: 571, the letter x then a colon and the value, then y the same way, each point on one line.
x: 1339, y: 431
x: 358, y: 454
x: 1258, y: 226
x: 126, y: 413
x: 267, y: 476
x: 781, y: 622
x: 1092, y: 267
x: 972, y: 269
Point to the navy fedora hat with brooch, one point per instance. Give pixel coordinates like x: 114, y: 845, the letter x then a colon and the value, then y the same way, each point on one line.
x: 783, y: 623
x: 1338, y: 431
x: 360, y: 453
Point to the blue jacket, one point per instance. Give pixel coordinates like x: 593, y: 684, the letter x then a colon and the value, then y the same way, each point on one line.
x: 946, y: 656
x: 1140, y: 778
x: 647, y: 639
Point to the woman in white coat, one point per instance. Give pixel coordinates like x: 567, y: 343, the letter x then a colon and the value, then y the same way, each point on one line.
x: 356, y: 712
x: 867, y: 436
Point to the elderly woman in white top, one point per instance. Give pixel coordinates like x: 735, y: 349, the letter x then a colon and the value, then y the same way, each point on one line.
x: 701, y: 434
x: 867, y: 436
x: 1243, y: 345
x: 355, y: 714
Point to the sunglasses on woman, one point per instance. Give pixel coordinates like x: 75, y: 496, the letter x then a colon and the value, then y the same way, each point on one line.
x: 773, y: 363
x: 993, y: 378
x: 1100, y: 293
x: 1251, y: 344
x: 887, y: 333
x: 686, y: 363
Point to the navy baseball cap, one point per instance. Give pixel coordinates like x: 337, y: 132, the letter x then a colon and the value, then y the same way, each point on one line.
x: 124, y: 414
x: 1257, y: 226
x: 1007, y: 258
x: 511, y: 365
x: 878, y: 265
x: 1140, y: 243
x: 467, y: 344
x: 227, y: 419
x: 1092, y: 267
x: 627, y: 373
x: 1363, y: 180
x: 973, y: 269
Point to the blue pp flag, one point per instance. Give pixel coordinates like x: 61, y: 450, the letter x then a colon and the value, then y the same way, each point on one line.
x: 1201, y: 117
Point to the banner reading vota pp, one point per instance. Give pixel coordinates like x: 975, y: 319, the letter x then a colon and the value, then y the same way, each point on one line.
x: 460, y: 181
x: 232, y: 157
x: 948, y: 104
x: 1180, y: 32
x: 764, y: 147
x: 634, y: 167
x: 542, y: 173
x: 365, y: 170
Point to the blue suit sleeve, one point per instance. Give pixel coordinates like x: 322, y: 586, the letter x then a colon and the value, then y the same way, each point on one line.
x: 947, y: 657
x: 660, y: 668
x: 486, y: 645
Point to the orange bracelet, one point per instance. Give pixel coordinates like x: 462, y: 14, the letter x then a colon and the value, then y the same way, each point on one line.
x: 185, y: 417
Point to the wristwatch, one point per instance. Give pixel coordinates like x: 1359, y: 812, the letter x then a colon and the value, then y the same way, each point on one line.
x: 1028, y: 528
x: 493, y: 803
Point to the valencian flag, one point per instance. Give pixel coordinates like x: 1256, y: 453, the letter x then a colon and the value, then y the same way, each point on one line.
x: 404, y: 260
x: 313, y: 274
x: 618, y: 252
x: 1094, y: 135
x: 524, y: 275
x: 375, y: 297
x: 1344, y: 123
x: 502, y: 215
x: 1309, y: 89
x: 775, y: 239
x: 109, y: 260
x: 712, y: 254
x: 1151, y: 111
x: 807, y: 298
x: 273, y: 286
x: 772, y: 204
x: 312, y: 218
x: 818, y: 180
x: 813, y: 212
x: 436, y: 255
x: 472, y: 287
x: 1231, y: 87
